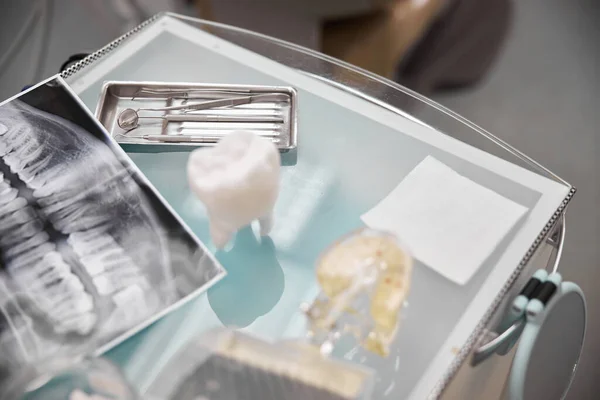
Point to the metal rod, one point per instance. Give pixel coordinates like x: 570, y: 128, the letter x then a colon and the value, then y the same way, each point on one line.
x: 225, y: 131
x: 185, y: 93
x: 229, y: 102
x: 557, y: 240
x: 490, y: 347
x: 187, y: 138
x: 216, y: 118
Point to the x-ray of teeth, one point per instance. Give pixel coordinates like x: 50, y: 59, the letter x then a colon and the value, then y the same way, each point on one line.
x: 17, y: 218
x: 29, y: 259
x: 8, y: 195
x: 34, y: 241
x: 12, y: 205
x: 88, y: 251
x: 23, y: 344
x: 26, y: 230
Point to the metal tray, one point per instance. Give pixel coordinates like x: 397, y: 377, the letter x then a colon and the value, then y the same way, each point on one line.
x: 117, y: 96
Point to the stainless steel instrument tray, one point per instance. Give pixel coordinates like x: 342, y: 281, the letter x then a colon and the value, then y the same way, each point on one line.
x: 118, y: 96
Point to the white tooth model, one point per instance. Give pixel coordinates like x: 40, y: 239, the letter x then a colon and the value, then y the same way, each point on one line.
x: 238, y: 182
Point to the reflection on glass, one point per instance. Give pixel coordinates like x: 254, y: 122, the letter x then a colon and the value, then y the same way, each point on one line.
x: 227, y: 365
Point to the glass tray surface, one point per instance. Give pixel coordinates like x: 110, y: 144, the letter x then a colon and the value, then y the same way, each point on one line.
x: 351, y: 153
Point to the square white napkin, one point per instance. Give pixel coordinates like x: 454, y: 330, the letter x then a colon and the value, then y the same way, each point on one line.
x: 449, y: 222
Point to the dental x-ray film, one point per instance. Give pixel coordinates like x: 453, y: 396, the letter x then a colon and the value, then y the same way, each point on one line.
x: 89, y: 252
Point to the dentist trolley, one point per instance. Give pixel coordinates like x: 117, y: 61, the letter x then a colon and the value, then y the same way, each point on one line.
x: 358, y: 135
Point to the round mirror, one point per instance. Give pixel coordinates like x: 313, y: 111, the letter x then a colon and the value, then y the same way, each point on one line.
x: 549, y: 348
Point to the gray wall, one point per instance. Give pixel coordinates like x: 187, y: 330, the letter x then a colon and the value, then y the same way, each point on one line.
x: 76, y: 27
x: 543, y: 97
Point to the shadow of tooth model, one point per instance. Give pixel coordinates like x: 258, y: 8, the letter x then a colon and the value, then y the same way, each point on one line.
x: 254, y: 282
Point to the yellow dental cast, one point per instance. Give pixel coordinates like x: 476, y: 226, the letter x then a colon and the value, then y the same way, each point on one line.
x: 366, y: 262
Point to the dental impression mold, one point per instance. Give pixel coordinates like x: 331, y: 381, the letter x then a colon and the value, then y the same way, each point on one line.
x: 238, y: 182
x: 364, y: 279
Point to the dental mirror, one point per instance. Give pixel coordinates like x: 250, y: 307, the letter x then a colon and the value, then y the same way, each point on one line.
x: 128, y: 119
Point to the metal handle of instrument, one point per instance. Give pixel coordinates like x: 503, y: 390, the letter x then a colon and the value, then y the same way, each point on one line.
x: 216, y: 118
x: 189, y: 138
x: 227, y: 102
x: 185, y: 94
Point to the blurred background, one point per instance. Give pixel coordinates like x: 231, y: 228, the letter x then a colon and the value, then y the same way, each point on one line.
x: 528, y: 71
